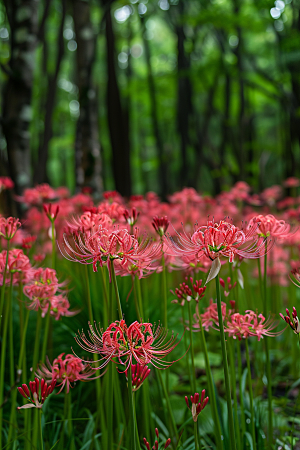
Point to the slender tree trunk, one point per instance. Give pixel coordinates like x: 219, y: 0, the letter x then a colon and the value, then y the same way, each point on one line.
x: 118, y: 125
x: 184, y: 102
x: 40, y: 175
x: 87, y: 146
x: 17, y: 90
x: 154, y: 117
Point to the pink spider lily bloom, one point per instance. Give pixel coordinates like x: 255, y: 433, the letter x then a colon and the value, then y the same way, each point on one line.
x: 219, y: 239
x: 209, y: 318
x: 104, y: 246
x: 141, y: 342
x: 131, y: 217
x: 295, y: 273
x: 186, y: 293
x: 65, y: 371
x: 9, y: 227
x: 160, y: 225
x: 227, y: 286
x: 18, y: 266
x: 6, y: 183
x: 138, y: 375
x: 293, y: 321
x: 39, y: 391
x: 59, y: 307
x: 44, y: 284
x: 270, y: 226
x: 197, y: 406
x: 250, y: 324
x: 28, y: 242
x: 51, y: 211
x: 37, y: 195
x: 156, y: 443
x: 89, y: 222
x: 291, y: 182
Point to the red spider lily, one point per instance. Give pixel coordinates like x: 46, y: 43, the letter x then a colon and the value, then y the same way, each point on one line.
x: 293, y: 321
x: 270, y: 226
x: 210, y: 318
x: 28, y: 242
x: 160, y: 225
x: 250, y: 324
x: 88, y: 223
x: 228, y: 286
x: 51, y: 211
x: 187, y: 293
x: 44, y: 284
x: 38, y: 195
x: 104, y: 246
x: 223, y: 238
x: 9, y: 227
x: 138, y: 374
x: 296, y: 274
x: 292, y: 182
x: 141, y: 342
x: 131, y: 217
x: 36, y: 396
x: 66, y: 371
x: 18, y: 266
x: 197, y: 406
x: 6, y: 183
x: 156, y: 443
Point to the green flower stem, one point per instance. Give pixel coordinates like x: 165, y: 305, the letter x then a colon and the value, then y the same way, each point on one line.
x: 3, y: 355
x: 4, y: 280
x: 70, y: 425
x: 105, y: 296
x: 196, y: 435
x: 192, y: 349
x: 186, y: 348
x: 241, y: 396
x: 146, y: 407
x: 139, y: 295
x: 53, y: 243
x: 46, y: 333
x: 41, y: 430
x: 136, y: 304
x: 166, y: 395
x: 114, y: 280
x: 165, y: 294
x: 212, y: 396
x: 268, y: 363
x: 233, y: 386
x: 131, y: 411
x: 225, y: 366
x: 250, y: 396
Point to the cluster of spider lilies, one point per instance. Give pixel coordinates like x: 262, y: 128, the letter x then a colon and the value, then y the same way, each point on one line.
x: 120, y: 276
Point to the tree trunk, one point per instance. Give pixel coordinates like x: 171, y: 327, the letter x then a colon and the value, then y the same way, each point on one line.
x: 118, y: 124
x: 87, y: 146
x: 17, y: 90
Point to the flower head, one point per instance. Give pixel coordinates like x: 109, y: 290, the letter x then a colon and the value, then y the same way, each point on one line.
x: 51, y: 211
x: 139, y: 374
x: 66, y: 371
x: 160, y: 225
x: 270, y: 226
x: 131, y: 217
x: 18, y: 267
x: 9, y: 227
x: 187, y: 293
x: 39, y: 391
x: 122, y: 344
x: 227, y: 286
x: 197, y: 406
x: 6, y: 183
x: 293, y: 321
x: 156, y: 443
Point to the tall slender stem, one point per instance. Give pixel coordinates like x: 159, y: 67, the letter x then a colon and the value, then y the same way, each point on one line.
x: 4, y: 282
x: 241, y: 394
x: 196, y: 435
x: 114, y: 280
x: 250, y: 396
x: 233, y: 386
x: 211, y: 389
x: 41, y: 430
x: 53, y: 243
x: 192, y: 349
x: 168, y: 404
x: 225, y: 366
x: 131, y: 410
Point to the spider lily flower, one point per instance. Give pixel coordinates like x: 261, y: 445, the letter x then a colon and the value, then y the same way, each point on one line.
x: 270, y: 226
x: 18, y: 266
x: 160, y: 225
x: 242, y: 326
x: 65, y: 371
x: 227, y: 286
x: 51, y: 211
x: 197, y: 406
x: 104, y: 246
x: 296, y: 275
x: 139, y: 374
x: 156, y: 443
x: 210, y: 318
x: 131, y: 217
x: 122, y: 344
x: 9, y: 227
x: 6, y: 183
x: 293, y: 321
x: 187, y: 293
x: 28, y: 242
x: 37, y: 393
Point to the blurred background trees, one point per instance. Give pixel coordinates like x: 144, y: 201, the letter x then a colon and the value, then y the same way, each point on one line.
x: 149, y: 94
